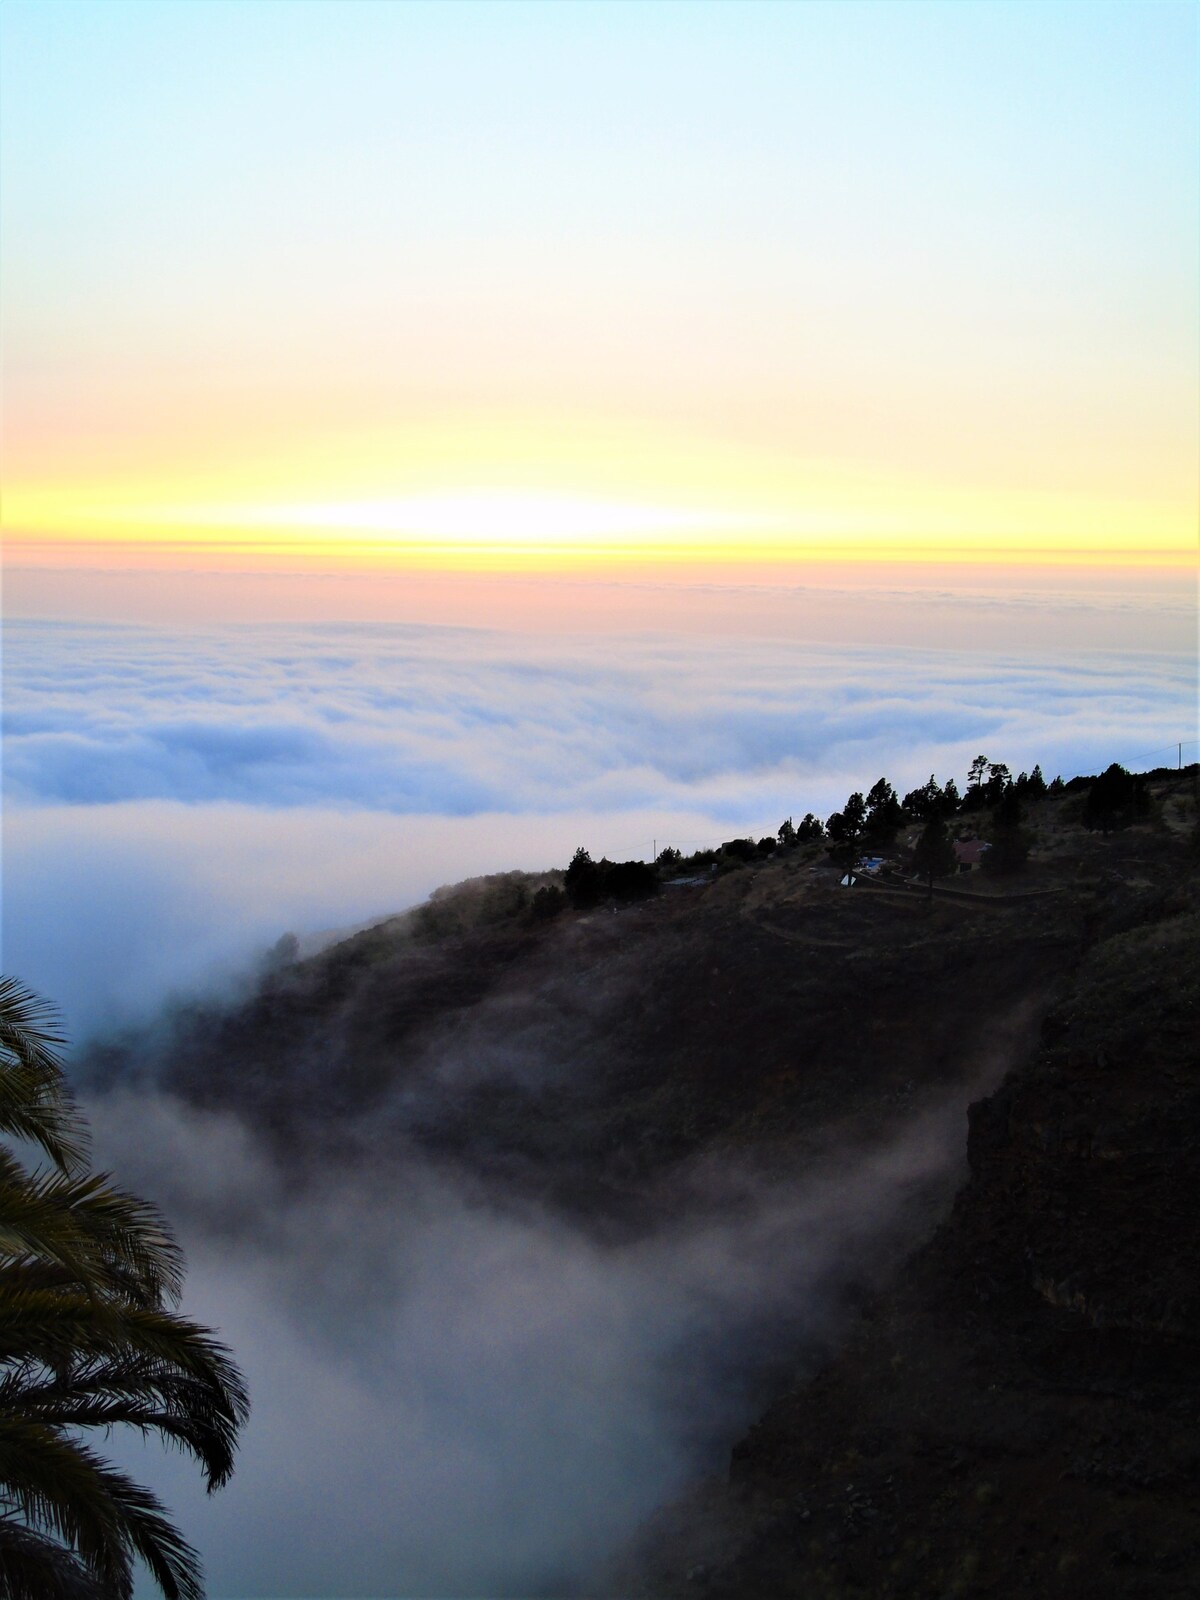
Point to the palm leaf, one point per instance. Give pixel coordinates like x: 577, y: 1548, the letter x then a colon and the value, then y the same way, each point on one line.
x: 36, y: 1567
x: 35, y: 1102
x: 89, y: 1277
x: 57, y: 1485
x: 106, y: 1238
x: 63, y: 1488
x: 194, y: 1413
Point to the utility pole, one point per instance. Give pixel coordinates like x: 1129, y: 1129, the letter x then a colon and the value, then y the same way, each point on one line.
x: 1181, y: 755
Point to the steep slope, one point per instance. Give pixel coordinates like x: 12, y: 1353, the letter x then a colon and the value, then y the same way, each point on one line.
x: 1021, y: 1414
x: 769, y: 1061
x: 767, y: 1014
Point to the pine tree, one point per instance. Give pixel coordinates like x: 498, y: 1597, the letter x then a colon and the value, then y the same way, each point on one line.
x: 933, y: 856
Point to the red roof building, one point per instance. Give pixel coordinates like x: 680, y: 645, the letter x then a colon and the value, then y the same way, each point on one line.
x: 968, y: 853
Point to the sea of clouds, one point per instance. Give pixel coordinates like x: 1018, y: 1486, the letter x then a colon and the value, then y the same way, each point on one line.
x: 175, y: 799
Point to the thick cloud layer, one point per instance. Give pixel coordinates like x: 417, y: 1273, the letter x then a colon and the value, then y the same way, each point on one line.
x: 175, y: 799
x: 454, y: 722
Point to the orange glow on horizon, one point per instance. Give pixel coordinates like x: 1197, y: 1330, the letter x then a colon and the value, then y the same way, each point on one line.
x: 525, y: 531
x: 695, y: 562
x: 531, y: 491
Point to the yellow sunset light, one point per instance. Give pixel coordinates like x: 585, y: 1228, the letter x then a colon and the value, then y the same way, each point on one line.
x: 500, y: 517
x: 520, y: 527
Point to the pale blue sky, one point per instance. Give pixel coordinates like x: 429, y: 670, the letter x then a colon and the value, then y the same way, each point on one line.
x: 981, y: 136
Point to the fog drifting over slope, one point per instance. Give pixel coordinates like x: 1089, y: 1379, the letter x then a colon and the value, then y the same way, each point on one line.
x: 454, y: 1398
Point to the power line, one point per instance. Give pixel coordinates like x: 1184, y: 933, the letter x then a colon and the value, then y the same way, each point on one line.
x: 713, y: 843
x: 1179, y: 746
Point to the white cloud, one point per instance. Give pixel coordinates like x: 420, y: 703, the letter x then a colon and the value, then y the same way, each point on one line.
x: 456, y: 722
x: 176, y: 800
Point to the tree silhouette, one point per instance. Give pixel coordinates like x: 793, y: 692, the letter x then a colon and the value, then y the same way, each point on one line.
x: 845, y: 831
x: 923, y: 802
x: 884, y: 813
x: 933, y: 856
x: 976, y: 780
x: 89, y: 1338
x: 1114, y: 800
x: 582, y: 881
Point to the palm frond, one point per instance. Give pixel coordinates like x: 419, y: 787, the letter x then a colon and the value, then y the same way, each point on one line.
x: 57, y: 1485
x: 89, y: 1338
x: 107, y: 1238
x: 35, y: 1567
x: 152, y: 1536
x: 63, y: 1488
x: 139, y: 1357
x: 29, y: 1027
x: 195, y: 1414
x: 35, y: 1102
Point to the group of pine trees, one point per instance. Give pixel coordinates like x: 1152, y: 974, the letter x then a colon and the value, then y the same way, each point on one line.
x: 869, y: 823
x: 90, y: 1338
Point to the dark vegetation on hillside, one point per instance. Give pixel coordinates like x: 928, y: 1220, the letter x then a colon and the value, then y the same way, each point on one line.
x: 992, y: 808
x: 1013, y: 1411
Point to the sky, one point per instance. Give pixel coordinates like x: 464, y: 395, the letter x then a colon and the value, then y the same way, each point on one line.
x: 523, y: 285
x: 438, y: 436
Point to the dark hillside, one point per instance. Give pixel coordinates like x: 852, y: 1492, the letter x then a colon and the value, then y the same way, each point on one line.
x: 1021, y: 1413
x: 1015, y: 1410
x: 585, y: 1060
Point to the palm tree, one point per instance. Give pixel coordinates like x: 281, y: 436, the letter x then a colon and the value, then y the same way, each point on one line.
x: 89, y: 1338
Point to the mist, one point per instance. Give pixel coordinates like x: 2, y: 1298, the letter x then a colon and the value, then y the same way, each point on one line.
x: 456, y: 1395
x: 467, y: 1380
